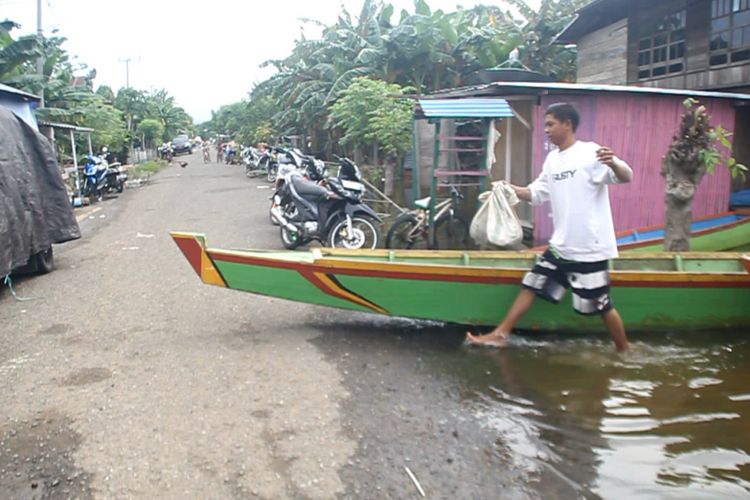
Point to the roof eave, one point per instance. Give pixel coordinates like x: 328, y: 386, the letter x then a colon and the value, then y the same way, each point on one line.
x: 586, y: 20
x: 508, y: 89
x: 14, y: 91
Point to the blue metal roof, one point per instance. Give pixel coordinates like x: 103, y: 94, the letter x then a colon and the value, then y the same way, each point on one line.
x: 474, y: 107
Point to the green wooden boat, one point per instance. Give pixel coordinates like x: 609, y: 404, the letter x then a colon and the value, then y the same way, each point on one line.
x: 728, y: 231
x: 660, y: 291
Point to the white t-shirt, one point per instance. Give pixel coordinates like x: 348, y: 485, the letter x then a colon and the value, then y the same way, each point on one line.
x: 575, y: 183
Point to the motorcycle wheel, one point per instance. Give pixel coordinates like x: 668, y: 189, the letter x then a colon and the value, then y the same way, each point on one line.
x: 271, y: 171
x: 90, y: 190
x: 365, y: 234
x: 45, y: 261
x: 399, y: 236
x: 289, y: 239
x: 271, y: 217
x: 120, y: 187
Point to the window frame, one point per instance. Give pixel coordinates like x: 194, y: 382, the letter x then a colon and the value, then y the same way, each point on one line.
x: 662, y: 49
x: 728, y: 54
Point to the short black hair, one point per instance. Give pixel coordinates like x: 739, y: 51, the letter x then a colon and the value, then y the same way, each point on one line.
x: 564, y: 112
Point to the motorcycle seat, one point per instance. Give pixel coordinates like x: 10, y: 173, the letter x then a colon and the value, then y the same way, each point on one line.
x: 308, y: 189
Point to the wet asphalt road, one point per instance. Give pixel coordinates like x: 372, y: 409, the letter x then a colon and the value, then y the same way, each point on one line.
x: 126, y: 377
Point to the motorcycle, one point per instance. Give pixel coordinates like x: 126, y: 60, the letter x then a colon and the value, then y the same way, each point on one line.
x: 166, y: 152
x: 257, y: 162
x: 230, y: 155
x: 283, y: 163
x: 327, y: 209
x: 101, y: 178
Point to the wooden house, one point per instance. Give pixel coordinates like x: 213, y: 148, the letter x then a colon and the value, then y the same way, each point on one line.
x: 678, y: 44
x: 674, y: 44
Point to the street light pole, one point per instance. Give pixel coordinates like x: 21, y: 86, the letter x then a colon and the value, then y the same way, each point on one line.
x: 127, y: 61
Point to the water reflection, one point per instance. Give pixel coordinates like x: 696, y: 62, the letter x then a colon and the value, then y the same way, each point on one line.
x: 670, y: 419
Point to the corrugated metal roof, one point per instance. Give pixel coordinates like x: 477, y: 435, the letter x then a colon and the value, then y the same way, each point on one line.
x: 505, y: 89
x: 12, y: 90
x: 66, y: 126
x: 466, y: 108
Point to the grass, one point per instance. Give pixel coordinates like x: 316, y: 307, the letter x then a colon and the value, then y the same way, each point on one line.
x: 147, y: 169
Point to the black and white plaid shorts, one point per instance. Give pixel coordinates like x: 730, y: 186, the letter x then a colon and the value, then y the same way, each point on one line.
x: 588, y: 281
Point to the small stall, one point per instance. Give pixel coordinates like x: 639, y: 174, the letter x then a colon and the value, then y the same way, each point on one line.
x: 47, y: 128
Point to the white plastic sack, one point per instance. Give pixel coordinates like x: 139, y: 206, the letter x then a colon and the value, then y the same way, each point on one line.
x: 496, y: 222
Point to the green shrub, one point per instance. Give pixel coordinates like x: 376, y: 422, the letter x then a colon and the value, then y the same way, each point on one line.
x: 147, y: 168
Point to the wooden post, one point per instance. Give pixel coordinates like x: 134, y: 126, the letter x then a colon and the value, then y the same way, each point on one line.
x: 485, y: 151
x: 416, y: 173
x: 433, y: 187
x: 508, y: 147
x: 75, y: 162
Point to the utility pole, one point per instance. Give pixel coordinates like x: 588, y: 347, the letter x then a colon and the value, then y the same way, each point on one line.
x: 40, y: 60
x: 127, y: 62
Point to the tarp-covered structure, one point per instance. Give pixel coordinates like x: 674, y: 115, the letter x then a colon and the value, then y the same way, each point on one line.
x: 35, y: 210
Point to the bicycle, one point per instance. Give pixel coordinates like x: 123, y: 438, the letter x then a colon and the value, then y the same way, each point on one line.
x: 412, y: 229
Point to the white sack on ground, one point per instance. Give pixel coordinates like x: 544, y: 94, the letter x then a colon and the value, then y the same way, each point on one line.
x: 496, y: 223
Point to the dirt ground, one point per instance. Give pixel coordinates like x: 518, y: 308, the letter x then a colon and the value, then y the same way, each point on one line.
x: 125, y: 377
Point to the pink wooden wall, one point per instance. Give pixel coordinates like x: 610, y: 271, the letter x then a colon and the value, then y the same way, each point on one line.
x: 639, y: 129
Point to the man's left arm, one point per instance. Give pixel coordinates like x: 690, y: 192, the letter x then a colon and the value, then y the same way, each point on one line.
x: 622, y: 170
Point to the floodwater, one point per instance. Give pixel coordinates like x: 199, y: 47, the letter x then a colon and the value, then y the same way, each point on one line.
x: 669, y: 419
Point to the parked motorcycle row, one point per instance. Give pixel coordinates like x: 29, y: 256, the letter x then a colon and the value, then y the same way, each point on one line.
x: 309, y: 205
x: 101, y: 177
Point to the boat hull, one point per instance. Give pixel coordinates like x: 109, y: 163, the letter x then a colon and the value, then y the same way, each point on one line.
x: 476, y: 289
x: 724, y: 232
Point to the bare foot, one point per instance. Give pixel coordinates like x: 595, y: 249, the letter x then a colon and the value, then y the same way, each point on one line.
x: 494, y: 339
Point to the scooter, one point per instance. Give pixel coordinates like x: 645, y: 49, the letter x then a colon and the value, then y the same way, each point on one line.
x: 101, y: 178
x: 166, y: 152
x: 283, y: 163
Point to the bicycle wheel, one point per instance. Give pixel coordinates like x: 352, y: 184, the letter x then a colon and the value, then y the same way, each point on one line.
x: 405, y: 233
x: 451, y: 232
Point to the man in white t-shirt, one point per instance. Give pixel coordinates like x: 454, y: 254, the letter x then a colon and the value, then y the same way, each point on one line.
x: 574, y: 179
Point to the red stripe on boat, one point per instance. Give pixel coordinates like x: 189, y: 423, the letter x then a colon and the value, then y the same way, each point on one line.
x: 192, y: 251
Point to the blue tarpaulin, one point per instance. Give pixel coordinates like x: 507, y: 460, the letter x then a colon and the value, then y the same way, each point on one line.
x: 740, y: 199
x: 476, y: 107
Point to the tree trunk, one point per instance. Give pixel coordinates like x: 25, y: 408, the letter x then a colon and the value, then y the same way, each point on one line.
x: 390, y: 176
x: 398, y: 181
x: 679, y: 202
x: 683, y: 169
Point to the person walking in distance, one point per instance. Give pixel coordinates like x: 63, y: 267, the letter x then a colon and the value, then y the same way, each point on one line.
x: 574, y: 180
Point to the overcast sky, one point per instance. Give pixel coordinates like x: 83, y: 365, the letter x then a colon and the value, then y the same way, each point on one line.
x: 204, y: 56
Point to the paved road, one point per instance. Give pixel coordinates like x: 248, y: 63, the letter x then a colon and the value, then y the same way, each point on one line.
x: 125, y: 377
